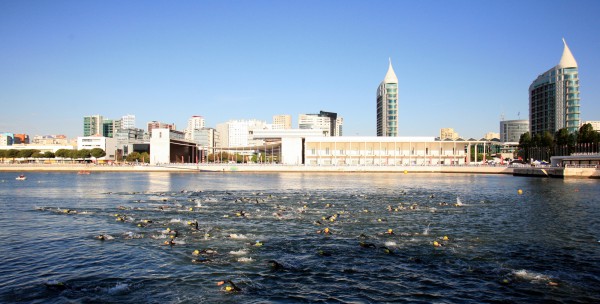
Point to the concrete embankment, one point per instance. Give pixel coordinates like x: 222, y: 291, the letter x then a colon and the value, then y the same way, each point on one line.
x: 256, y: 168
x: 558, y: 172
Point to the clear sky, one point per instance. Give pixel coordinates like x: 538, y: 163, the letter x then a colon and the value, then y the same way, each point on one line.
x: 460, y: 64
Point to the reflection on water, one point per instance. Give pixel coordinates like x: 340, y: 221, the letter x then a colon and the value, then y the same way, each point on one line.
x: 164, y: 237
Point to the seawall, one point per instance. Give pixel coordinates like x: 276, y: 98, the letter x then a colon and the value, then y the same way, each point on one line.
x: 254, y: 168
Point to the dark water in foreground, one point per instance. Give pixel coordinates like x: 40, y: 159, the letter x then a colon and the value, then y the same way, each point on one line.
x: 542, y: 246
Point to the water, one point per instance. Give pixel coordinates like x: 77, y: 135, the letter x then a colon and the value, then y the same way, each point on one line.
x: 542, y: 246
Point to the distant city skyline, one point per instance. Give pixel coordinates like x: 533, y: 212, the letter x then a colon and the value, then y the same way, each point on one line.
x: 460, y: 65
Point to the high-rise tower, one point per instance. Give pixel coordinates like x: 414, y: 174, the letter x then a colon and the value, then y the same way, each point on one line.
x: 387, y: 104
x: 554, y: 97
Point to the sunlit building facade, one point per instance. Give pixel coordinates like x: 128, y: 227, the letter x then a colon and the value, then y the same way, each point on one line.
x: 387, y: 104
x: 554, y: 97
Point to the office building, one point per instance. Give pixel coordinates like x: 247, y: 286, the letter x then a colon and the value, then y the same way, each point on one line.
x: 108, y: 128
x: 387, y: 104
x: 282, y: 122
x: 194, y: 124
x: 511, y: 130
x: 93, y: 125
x: 127, y: 122
x: 159, y: 125
x: 238, y: 133
x: 448, y: 133
x: 554, y: 97
x: 329, y: 122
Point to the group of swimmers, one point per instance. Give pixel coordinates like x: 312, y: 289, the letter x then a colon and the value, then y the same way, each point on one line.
x: 202, y: 256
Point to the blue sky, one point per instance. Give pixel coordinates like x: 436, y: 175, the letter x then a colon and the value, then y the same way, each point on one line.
x: 460, y: 64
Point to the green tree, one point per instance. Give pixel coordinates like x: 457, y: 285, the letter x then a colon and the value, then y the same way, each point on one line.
x: 27, y: 153
x: 12, y: 153
x: 97, y: 153
x: 83, y: 153
x: 63, y: 153
x: 133, y: 156
x: 37, y: 154
x: 587, y: 135
x: 49, y: 154
x: 525, y: 143
x: 145, y: 157
x: 2, y: 154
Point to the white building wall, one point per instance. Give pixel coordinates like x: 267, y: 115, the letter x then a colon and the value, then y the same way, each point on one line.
x: 291, y: 151
x: 160, y: 146
x: 109, y: 145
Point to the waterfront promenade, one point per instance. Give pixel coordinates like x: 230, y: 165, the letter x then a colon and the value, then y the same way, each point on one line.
x: 524, y: 170
x: 251, y: 168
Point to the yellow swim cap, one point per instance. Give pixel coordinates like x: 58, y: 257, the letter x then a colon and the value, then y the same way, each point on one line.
x: 445, y: 237
x: 436, y: 244
x: 228, y: 288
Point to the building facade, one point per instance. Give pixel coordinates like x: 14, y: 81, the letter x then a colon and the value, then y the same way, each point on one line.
x: 554, y: 97
x: 393, y: 151
x: 329, y: 122
x: 511, y: 130
x: 194, y: 124
x: 93, y: 125
x: 109, y: 145
x: 127, y: 122
x: 238, y: 133
x: 448, y: 133
x: 282, y: 122
x: 387, y: 104
x: 159, y: 125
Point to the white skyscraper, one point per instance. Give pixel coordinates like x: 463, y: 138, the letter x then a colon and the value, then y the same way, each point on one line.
x: 387, y: 104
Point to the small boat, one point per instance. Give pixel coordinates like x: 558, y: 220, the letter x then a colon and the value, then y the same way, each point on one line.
x: 21, y: 177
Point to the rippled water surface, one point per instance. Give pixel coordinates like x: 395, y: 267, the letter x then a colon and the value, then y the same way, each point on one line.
x: 267, y: 234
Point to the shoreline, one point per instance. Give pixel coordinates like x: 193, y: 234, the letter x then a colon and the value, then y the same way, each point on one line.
x: 227, y: 168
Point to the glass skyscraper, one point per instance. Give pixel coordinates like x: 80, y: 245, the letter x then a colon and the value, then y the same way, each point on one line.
x: 387, y: 104
x: 554, y: 97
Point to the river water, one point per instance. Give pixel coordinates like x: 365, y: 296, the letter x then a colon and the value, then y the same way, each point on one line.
x: 541, y: 246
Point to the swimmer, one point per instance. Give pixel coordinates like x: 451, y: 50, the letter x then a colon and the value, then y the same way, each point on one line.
x: 437, y: 244
x: 324, y: 231
x: 170, y: 242
x: 56, y: 285
x: 101, y: 237
x: 275, y: 265
x: 390, y: 231
x: 200, y: 260
x: 229, y: 288
x: 324, y: 253
x: 367, y: 245
x: 386, y: 250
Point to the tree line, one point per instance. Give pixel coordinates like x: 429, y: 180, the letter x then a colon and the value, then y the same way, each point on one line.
x: 543, y: 146
x: 64, y: 153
